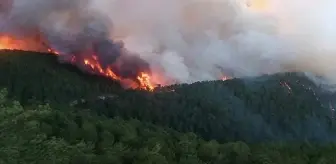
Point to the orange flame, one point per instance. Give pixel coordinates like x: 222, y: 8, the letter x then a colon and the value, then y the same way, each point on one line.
x: 144, y: 78
x: 7, y: 42
x: 11, y: 43
x: 143, y: 81
x: 29, y: 43
x: 225, y: 77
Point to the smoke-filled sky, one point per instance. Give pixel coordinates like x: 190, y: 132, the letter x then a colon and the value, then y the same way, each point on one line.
x: 194, y: 40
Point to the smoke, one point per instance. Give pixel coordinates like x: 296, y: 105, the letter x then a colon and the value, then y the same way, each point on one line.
x: 185, y: 41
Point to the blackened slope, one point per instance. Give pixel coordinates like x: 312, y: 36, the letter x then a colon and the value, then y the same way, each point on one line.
x: 31, y: 75
x: 252, y: 110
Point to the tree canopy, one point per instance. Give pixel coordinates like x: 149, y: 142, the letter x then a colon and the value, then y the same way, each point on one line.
x: 54, y: 113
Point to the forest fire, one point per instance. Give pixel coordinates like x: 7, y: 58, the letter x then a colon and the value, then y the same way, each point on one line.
x: 12, y: 43
x: 97, y: 54
x: 6, y: 43
x: 95, y: 42
x: 141, y: 81
x: 223, y: 78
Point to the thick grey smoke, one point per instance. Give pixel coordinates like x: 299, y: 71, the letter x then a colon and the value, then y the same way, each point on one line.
x: 193, y: 40
x: 77, y: 32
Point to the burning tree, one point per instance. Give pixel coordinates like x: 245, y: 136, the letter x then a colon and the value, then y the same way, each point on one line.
x: 89, y: 47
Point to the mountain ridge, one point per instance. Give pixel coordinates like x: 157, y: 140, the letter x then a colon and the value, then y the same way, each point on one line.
x: 285, y: 106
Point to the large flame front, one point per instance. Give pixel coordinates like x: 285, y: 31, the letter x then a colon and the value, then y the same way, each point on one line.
x: 11, y: 43
x: 28, y: 43
x: 143, y: 81
x: 6, y: 43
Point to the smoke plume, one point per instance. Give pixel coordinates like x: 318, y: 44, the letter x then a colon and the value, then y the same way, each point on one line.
x: 184, y: 41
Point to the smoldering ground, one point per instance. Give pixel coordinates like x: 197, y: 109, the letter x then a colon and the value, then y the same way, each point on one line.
x: 194, y: 40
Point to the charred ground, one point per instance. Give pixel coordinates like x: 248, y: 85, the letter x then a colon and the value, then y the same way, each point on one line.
x: 282, y: 107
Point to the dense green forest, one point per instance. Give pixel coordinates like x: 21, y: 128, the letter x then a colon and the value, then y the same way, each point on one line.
x: 282, y: 118
x: 40, y: 134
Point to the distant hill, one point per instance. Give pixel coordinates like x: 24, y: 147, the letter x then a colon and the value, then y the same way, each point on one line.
x: 280, y: 107
x: 269, y: 108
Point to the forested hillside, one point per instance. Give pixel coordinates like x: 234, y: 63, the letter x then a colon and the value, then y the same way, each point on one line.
x: 40, y: 134
x: 283, y: 118
x: 277, y: 108
x: 38, y: 76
